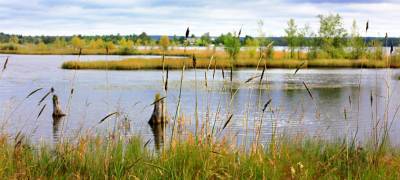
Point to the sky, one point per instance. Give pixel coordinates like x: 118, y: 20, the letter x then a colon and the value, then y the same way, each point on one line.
x: 169, y: 17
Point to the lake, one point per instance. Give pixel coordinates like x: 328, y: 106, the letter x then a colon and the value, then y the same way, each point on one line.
x: 340, y: 101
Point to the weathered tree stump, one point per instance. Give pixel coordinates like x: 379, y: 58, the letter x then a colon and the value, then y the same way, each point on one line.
x: 159, y: 112
x: 158, y: 133
x: 56, y: 127
x: 57, y: 112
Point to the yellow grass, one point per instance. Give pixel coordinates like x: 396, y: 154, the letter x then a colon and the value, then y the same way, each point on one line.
x: 203, y: 63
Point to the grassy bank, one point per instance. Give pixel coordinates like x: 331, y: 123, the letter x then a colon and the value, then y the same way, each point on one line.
x: 136, y: 64
x: 99, y: 158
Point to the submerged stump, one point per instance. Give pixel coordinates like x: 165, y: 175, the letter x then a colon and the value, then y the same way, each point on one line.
x: 57, y: 112
x: 158, y: 116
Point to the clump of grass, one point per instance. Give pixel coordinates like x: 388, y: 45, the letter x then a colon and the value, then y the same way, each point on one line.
x: 119, y: 158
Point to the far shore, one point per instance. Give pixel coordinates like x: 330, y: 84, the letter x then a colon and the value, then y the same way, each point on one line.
x: 205, y: 59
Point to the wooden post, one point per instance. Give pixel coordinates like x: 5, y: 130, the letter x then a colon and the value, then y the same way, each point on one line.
x: 158, y: 116
x: 57, y: 112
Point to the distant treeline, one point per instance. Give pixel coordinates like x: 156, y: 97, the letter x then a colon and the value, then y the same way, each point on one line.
x: 203, y: 40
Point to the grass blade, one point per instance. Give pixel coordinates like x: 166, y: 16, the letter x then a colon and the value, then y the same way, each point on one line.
x: 5, y: 64
x: 298, y: 67
x: 262, y: 75
x: 308, y: 90
x: 147, y: 143
x: 205, y: 77
x: 227, y: 122
x: 194, y: 61
x: 166, y: 80
x: 44, y: 97
x: 109, y: 115
x: 41, y: 111
x: 252, y: 78
x: 156, y: 101
x: 266, y: 105
x: 33, y: 92
x: 231, y: 73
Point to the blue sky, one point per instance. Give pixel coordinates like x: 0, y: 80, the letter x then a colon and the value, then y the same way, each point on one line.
x: 159, y: 17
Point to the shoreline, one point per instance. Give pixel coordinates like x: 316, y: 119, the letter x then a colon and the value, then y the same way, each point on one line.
x: 156, y: 64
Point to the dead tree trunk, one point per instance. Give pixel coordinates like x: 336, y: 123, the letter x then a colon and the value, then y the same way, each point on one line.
x: 158, y: 116
x: 57, y: 112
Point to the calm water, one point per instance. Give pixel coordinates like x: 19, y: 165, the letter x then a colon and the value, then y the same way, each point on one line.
x: 337, y: 105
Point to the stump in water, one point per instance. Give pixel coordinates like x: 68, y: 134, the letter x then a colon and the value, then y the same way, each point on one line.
x: 57, y: 112
x: 56, y: 127
x: 158, y: 116
x: 158, y: 133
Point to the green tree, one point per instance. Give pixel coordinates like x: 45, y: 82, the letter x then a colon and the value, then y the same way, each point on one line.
x: 205, y: 39
x: 77, y: 42
x: 164, y: 43
x: 356, y: 43
x: 59, y: 42
x: 109, y: 46
x: 291, y: 36
x: 145, y: 39
x: 232, y: 46
x: 332, y: 35
x: 99, y: 43
x: 13, y: 40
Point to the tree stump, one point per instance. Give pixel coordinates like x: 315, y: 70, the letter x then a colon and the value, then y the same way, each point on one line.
x: 57, y: 112
x: 158, y: 116
x: 158, y: 133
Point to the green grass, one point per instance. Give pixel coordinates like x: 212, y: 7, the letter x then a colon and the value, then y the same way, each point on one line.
x: 98, y: 158
x: 136, y: 64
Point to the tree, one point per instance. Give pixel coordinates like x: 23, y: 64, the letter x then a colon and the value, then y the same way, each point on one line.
x: 232, y: 45
x: 41, y: 46
x: 333, y: 35
x: 144, y: 38
x: 356, y: 43
x: 164, y: 43
x: 205, y: 39
x: 99, y: 43
x: 13, y: 40
x: 129, y: 44
x: 122, y: 42
x: 77, y: 42
x: 59, y: 42
x: 109, y: 45
x: 291, y: 33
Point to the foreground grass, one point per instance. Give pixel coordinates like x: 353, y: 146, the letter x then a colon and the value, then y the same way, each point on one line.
x: 136, y: 64
x: 99, y: 158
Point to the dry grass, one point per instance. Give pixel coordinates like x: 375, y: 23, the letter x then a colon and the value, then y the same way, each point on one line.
x: 203, y: 63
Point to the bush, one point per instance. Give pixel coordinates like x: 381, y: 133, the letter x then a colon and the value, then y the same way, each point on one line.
x: 9, y: 47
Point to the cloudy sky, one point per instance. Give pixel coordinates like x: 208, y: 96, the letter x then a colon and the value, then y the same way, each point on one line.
x: 160, y: 17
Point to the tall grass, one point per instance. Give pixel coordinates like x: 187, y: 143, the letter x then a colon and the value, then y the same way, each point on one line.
x: 119, y: 158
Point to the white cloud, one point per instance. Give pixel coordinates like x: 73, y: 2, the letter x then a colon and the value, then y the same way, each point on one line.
x: 53, y: 17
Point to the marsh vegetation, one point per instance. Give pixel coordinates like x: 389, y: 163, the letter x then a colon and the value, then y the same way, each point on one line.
x: 229, y: 114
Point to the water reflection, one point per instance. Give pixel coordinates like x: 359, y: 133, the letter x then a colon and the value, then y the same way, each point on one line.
x: 56, y: 125
x: 333, y: 91
x: 158, y: 133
